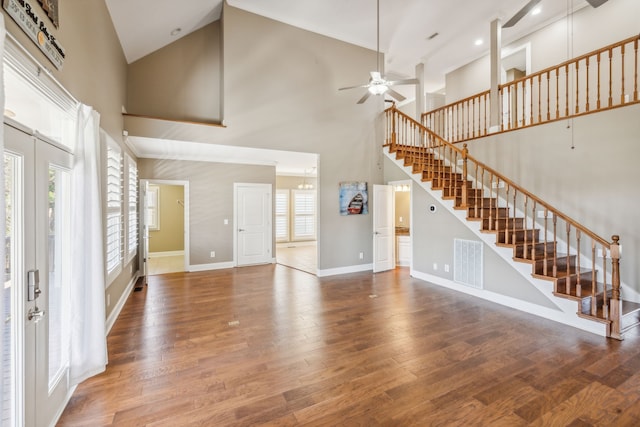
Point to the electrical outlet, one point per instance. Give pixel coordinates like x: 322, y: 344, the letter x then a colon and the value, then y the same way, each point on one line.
x: 400, y: 219
x: 361, y: 255
x: 446, y: 268
x: 108, y: 300
x: 226, y: 221
x: 435, y: 265
x: 213, y: 254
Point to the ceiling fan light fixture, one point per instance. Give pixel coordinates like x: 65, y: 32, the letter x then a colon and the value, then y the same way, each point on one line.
x: 378, y: 89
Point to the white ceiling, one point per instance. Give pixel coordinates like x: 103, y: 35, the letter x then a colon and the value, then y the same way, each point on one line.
x: 144, y: 26
x: 286, y: 162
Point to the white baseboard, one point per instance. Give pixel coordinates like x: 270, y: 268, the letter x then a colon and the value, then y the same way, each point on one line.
x: 63, y: 406
x: 166, y: 253
x: 344, y: 270
x: 123, y: 299
x: 569, y: 319
x: 212, y: 266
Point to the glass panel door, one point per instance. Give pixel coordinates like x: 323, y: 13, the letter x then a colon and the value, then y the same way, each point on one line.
x: 34, y: 368
x: 10, y: 369
x: 52, y: 210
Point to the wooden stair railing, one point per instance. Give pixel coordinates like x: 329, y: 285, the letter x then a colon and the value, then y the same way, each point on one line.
x: 600, y: 80
x: 583, y: 266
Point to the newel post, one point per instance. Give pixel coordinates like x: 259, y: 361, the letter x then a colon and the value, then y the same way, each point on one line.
x: 465, y: 192
x: 615, y: 302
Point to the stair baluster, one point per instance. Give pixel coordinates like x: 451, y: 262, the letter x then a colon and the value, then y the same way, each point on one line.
x: 578, y: 283
x: 545, y: 264
x: 605, y: 305
x: 594, y: 285
x: 568, y: 267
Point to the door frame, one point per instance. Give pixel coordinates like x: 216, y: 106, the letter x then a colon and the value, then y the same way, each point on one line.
x: 408, y: 182
x: 29, y: 357
x: 144, y: 230
x: 236, y: 186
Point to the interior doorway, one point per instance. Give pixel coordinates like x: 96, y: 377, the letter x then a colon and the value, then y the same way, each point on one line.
x: 296, y: 220
x: 402, y: 221
x: 165, y: 226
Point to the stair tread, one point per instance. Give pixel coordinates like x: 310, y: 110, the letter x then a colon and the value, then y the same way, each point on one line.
x: 596, y: 318
x: 630, y: 307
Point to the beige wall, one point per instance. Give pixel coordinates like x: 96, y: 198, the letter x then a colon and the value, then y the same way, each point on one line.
x: 210, y: 201
x: 281, y: 92
x: 94, y: 73
x: 170, y: 236
x: 402, y: 207
x: 180, y: 81
x: 292, y: 182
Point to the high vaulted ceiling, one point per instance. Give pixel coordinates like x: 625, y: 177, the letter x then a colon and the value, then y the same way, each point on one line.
x: 144, y: 26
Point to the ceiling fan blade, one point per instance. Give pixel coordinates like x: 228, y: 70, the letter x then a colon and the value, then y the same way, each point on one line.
x: 353, y: 87
x: 364, y: 98
x: 395, y: 94
x: 403, y: 82
x: 375, y: 75
x: 596, y: 3
x: 521, y: 14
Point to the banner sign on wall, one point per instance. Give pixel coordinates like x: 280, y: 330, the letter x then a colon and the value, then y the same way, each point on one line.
x: 26, y: 17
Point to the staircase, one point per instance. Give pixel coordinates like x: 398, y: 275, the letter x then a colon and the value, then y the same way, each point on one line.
x: 582, y: 266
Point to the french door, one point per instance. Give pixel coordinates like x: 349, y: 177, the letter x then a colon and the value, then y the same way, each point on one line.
x: 35, y: 292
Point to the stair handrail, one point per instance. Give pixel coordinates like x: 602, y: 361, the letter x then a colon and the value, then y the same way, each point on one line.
x: 466, y: 119
x: 394, y: 116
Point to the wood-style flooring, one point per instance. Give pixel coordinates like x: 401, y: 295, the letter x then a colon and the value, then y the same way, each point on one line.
x: 271, y: 345
x: 302, y: 257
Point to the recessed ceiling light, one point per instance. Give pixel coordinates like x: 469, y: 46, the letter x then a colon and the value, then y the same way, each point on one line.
x: 536, y: 10
x: 176, y: 31
x: 9, y: 113
x: 478, y: 42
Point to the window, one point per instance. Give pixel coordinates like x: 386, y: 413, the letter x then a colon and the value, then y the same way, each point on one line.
x: 132, y: 208
x: 282, y: 215
x: 304, y: 214
x: 153, y: 207
x: 114, y: 209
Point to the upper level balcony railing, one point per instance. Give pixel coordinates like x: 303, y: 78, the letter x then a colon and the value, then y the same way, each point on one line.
x: 600, y: 80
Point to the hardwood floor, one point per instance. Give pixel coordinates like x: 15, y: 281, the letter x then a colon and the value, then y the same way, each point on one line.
x: 352, y: 350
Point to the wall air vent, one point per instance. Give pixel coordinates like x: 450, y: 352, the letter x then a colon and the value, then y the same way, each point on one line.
x: 467, y: 263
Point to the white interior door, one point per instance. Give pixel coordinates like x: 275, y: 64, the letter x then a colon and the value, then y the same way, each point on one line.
x: 41, y: 258
x: 383, y: 228
x: 253, y: 218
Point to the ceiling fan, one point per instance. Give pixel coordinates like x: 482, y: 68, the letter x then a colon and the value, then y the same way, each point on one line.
x: 532, y: 3
x: 378, y: 84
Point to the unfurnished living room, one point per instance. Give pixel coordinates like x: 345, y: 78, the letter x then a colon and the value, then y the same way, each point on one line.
x: 239, y: 213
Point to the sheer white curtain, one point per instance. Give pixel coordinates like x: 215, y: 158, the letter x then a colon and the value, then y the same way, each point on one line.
x: 3, y: 291
x: 88, y: 354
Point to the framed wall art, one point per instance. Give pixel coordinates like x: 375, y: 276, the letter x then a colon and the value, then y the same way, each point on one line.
x: 354, y: 199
